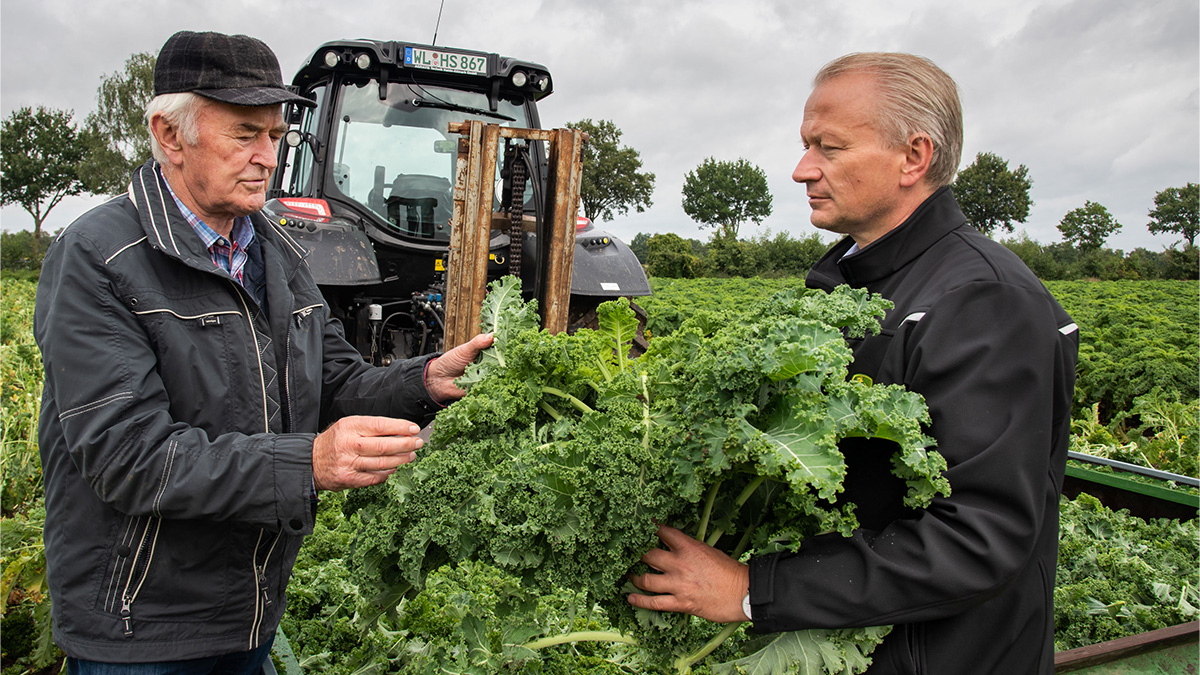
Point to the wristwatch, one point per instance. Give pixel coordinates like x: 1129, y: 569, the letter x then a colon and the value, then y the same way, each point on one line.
x: 746, y: 606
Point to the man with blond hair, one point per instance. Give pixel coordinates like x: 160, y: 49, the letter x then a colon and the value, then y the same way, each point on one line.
x: 967, y: 582
x: 198, y: 394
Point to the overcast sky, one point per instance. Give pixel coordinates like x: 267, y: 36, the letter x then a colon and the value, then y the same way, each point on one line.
x: 1100, y: 99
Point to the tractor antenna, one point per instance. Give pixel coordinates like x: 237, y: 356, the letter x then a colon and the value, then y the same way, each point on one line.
x: 438, y: 24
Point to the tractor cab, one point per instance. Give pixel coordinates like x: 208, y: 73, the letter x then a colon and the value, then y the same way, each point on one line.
x: 377, y: 145
x: 366, y: 181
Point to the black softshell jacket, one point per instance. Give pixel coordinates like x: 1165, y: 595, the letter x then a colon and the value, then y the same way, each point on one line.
x: 968, y: 582
x: 177, y: 427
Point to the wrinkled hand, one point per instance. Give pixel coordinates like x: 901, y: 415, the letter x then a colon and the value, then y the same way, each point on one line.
x: 692, y: 578
x: 360, y: 451
x: 442, y: 371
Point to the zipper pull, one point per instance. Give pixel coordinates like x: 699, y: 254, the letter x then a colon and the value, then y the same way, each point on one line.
x: 262, y: 584
x: 126, y: 618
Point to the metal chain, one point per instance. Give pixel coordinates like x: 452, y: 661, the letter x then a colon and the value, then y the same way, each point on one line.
x: 516, y: 208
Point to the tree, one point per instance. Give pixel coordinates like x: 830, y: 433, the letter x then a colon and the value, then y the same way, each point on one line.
x: 40, y: 154
x: 992, y: 196
x: 1039, y: 259
x: 1175, y: 210
x: 119, y: 139
x: 22, y: 251
x: 639, y: 246
x: 726, y: 194
x: 782, y: 256
x: 670, y: 255
x: 613, y: 181
x: 1088, y: 226
x: 731, y: 257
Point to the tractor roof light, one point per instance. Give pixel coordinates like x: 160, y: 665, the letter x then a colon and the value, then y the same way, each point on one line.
x: 543, y: 83
x: 363, y: 61
x: 332, y: 58
x: 519, y: 78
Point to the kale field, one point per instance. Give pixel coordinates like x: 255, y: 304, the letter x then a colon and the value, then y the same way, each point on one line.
x: 506, y: 553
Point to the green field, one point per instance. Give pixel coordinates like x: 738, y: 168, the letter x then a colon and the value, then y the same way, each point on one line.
x: 1136, y: 401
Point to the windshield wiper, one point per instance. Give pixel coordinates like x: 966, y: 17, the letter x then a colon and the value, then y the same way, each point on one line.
x: 443, y: 105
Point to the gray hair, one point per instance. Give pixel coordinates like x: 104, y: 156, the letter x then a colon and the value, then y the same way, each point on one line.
x: 180, y: 110
x: 916, y: 97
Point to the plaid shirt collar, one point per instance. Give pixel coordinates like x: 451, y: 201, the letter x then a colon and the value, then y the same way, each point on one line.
x: 228, y: 254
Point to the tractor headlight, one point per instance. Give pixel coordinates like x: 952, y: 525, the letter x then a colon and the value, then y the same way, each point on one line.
x: 331, y: 59
x: 519, y: 78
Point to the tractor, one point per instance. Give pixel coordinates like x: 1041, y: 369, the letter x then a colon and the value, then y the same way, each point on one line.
x: 366, y: 181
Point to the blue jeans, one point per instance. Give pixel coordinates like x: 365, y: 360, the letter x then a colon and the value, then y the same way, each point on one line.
x: 240, y: 663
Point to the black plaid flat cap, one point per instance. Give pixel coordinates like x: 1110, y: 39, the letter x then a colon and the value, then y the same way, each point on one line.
x: 236, y: 69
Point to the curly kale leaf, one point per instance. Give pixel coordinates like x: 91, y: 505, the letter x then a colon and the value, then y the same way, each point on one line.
x: 855, y: 310
x: 893, y: 414
x: 557, y: 466
x: 809, y: 652
x: 1119, y: 575
x: 619, y: 326
x: 504, y: 314
x: 803, y: 450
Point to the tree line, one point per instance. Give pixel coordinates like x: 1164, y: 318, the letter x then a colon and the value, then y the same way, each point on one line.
x: 725, y: 195
x: 47, y: 157
x: 781, y: 255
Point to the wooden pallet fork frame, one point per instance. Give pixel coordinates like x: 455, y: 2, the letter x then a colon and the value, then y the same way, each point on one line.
x: 473, y: 220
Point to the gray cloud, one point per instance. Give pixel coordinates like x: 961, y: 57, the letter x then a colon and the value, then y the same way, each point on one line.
x: 1098, y: 98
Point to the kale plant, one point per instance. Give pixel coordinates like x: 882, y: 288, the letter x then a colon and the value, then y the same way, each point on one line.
x: 557, y: 465
x: 1120, y: 575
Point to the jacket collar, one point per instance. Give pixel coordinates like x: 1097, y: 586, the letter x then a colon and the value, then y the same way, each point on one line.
x: 936, y: 217
x: 169, y: 231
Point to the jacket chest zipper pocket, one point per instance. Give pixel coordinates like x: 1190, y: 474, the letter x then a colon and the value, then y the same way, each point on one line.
x: 139, y: 569
x: 301, y: 314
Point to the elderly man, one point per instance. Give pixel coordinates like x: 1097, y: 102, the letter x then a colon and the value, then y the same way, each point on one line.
x: 191, y: 365
x: 967, y: 582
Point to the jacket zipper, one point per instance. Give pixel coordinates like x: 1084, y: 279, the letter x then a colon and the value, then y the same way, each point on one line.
x: 261, y: 593
x: 114, y: 583
x: 285, y: 398
x: 130, y: 592
x: 262, y: 597
x: 257, y: 357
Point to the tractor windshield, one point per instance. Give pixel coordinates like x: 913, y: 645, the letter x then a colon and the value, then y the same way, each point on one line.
x: 397, y: 158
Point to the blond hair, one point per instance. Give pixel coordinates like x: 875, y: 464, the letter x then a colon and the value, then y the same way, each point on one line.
x: 915, y: 97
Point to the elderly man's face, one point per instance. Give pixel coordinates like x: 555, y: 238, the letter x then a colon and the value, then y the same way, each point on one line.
x: 851, y: 174
x: 226, y: 172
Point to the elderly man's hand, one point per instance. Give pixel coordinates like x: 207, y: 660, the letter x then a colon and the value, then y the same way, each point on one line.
x: 442, y: 371
x: 361, y: 451
x: 692, y: 578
